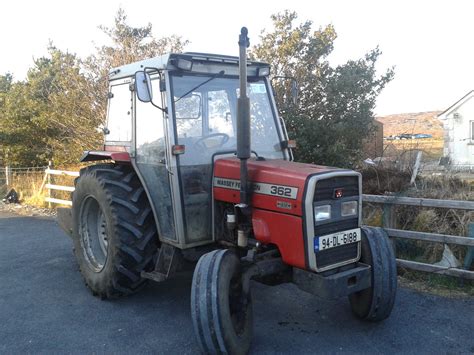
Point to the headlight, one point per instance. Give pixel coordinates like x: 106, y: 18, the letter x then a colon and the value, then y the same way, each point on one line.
x: 349, y: 208
x: 321, y: 213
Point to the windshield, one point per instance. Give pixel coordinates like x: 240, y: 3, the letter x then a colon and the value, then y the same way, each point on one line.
x: 206, y: 117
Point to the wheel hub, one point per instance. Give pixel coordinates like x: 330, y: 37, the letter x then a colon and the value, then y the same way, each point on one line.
x: 93, y: 234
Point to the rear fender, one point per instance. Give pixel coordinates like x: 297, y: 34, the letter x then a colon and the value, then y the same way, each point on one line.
x: 94, y: 155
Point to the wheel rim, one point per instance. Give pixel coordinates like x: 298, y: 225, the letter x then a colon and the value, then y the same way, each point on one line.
x: 93, y: 234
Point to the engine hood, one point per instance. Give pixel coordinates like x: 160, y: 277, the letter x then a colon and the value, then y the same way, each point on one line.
x: 278, y: 185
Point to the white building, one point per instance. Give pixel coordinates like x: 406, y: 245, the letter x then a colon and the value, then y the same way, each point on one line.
x: 459, y: 131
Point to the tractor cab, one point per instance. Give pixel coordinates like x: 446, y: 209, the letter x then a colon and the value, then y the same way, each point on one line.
x: 176, y: 128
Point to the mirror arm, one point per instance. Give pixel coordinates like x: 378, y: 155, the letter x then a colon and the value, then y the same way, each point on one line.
x: 165, y: 110
x: 152, y: 70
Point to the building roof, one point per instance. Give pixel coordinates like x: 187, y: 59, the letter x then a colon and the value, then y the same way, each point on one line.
x: 454, y: 106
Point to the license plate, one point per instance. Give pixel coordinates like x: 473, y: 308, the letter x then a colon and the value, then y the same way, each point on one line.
x: 336, y: 239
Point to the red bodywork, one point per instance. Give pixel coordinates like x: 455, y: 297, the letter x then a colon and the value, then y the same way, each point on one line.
x: 275, y: 219
x: 107, y: 154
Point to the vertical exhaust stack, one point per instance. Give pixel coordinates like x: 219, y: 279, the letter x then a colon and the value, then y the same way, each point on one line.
x: 243, y: 120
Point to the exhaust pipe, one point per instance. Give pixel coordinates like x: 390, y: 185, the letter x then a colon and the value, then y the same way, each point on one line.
x: 243, y: 120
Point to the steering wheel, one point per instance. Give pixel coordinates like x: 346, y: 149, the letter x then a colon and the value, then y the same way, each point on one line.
x: 225, y: 139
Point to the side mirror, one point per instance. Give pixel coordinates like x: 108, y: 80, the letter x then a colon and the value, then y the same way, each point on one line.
x: 143, y: 86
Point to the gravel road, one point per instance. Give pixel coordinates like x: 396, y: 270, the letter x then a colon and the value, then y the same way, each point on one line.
x: 45, y: 307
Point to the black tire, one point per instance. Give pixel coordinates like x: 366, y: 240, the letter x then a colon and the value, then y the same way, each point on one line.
x: 222, y: 315
x: 110, y: 205
x: 376, y: 302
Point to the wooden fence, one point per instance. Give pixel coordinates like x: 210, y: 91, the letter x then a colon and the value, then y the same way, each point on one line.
x: 48, y: 184
x: 388, y: 223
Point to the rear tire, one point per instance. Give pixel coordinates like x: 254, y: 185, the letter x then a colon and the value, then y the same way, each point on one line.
x: 376, y: 302
x: 114, y: 231
x: 222, y: 315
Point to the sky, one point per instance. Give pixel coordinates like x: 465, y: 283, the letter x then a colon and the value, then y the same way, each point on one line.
x: 430, y: 43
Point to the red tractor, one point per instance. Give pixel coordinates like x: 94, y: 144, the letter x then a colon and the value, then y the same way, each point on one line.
x: 200, y: 170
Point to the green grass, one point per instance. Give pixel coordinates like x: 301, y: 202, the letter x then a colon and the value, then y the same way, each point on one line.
x: 442, y: 285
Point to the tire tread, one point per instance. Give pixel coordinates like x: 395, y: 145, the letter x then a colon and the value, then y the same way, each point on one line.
x: 380, y: 298
x: 213, y: 335
x: 134, y: 225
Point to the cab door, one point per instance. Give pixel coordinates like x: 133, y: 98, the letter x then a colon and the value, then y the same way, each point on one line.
x: 204, y: 124
x: 151, y: 161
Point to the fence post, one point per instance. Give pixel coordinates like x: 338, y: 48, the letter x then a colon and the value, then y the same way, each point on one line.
x: 388, y: 217
x: 50, y: 166
x: 470, y: 251
x: 416, y: 167
x: 7, y: 176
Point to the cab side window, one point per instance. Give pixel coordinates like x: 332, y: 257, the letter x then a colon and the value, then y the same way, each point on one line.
x: 149, y: 128
x: 119, y: 114
x: 220, y: 117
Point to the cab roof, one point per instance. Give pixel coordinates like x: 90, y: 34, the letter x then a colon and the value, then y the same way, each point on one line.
x: 201, y: 63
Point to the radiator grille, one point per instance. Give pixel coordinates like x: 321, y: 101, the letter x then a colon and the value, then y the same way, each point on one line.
x: 336, y: 255
x: 325, y: 188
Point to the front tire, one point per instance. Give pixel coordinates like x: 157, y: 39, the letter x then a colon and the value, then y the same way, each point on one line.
x: 376, y: 302
x: 114, y: 232
x: 222, y: 315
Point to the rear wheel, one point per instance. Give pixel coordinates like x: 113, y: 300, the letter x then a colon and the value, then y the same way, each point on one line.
x: 376, y: 302
x: 222, y: 314
x: 114, y: 232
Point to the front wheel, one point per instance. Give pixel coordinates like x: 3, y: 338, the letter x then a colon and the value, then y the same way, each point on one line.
x: 221, y: 312
x: 376, y: 302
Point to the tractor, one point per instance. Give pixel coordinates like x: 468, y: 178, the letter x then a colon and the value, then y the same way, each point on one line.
x: 197, y: 173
